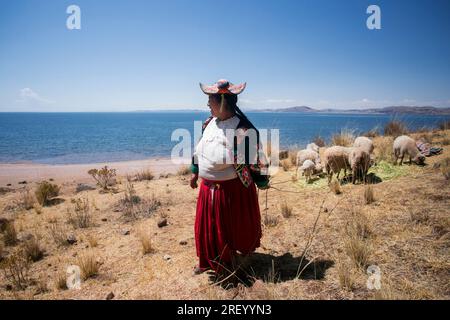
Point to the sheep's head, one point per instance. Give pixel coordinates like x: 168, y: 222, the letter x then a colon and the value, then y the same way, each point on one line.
x: 318, y: 168
x: 419, y: 159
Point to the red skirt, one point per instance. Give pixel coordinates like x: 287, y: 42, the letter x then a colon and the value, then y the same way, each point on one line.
x: 227, y: 220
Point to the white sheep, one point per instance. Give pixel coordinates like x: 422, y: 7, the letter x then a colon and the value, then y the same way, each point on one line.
x: 308, y: 168
x: 312, y: 146
x: 405, y: 145
x: 364, y: 143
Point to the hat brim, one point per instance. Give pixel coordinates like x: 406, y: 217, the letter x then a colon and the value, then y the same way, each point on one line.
x: 232, y: 89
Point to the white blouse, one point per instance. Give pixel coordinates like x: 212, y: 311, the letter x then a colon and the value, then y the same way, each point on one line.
x: 214, y: 151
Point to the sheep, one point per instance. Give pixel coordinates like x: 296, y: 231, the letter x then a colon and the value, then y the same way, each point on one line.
x: 308, y: 168
x: 405, y: 145
x: 365, y: 143
x: 307, y: 154
x: 359, y: 159
x: 312, y: 146
x: 336, y: 158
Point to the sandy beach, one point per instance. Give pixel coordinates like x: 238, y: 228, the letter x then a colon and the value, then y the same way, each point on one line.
x: 13, y: 173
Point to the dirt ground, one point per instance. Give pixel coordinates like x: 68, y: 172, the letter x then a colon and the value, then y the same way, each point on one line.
x: 316, y: 244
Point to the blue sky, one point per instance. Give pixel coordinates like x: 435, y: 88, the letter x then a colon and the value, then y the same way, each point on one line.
x: 134, y: 54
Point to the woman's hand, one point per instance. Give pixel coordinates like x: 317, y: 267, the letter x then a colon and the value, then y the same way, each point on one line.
x: 194, y: 179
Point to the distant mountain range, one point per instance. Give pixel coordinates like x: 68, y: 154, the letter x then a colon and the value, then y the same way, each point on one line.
x: 385, y: 110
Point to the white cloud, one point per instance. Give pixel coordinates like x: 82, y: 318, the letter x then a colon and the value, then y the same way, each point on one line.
x: 29, y: 97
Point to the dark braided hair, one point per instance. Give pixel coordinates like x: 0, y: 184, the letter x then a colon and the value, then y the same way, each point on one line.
x: 231, y: 101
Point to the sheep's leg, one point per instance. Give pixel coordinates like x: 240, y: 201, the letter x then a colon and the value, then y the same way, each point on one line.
x: 353, y: 176
x: 401, y: 159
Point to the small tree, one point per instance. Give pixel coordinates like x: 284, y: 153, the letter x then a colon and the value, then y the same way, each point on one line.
x: 103, y: 177
x: 45, y: 191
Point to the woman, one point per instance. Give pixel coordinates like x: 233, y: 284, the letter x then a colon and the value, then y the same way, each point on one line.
x: 227, y: 216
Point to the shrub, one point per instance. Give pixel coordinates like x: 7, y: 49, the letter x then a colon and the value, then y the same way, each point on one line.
x: 104, y: 177
x: 286, y: 210
x: 2, y: 247
x: 345, y: 276
x: 133, y: 207
x: 183, y: 171
x: 319, y: 141
x: 59, y: 234
x: 92, y: 240
x: 445, y: 168
x: 15, y: 270
x: 335, y: 186
x: 88, y: 265
x: 144, y: 175
x: 444, y: 125
x: 358, y: 250
x: 286, y: 164
x: 32, y: 249
x: 26, y: 199
x: 45, y: 191
x: 10, y: 234
x: 61, y: 281
x: 345, y: 138
x: 395, y: 129
x: 80, y: 216
x: 146, y: 242
x: 383, y: 149
x: 371, y: 133
x: 368, y: 194
x: 270, y: 221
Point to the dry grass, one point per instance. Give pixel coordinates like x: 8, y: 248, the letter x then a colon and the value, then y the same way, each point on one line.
x: 45, y: 191
x: 270, y: 220
x: 395, y: 129
x: 335, y: 186
x: 59, y: 234
x: 61, y: 281
x: 383, y: 149
x: 368, y: 194
x: 183, y: 171
x: 15, y: 270
x: 345, y: 138
x: 319, y: 141
x: 80, y: 216
x: 10, y: 234
x: 32, y: 249
x: 286, y: 164
x: 286, y: 210
x: 146, y: 242
x: 88, y: 265
x: 144, y: 175
x: 444, y: 168
x: 444, y: 125
x: 26, y: 200
x: 420, y: 216
x: 345, y: 275
x: 2, y: 247
x: 92, y: 240
x: 358, y: 250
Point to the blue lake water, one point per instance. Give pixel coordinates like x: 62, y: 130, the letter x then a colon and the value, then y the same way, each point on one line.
x: 63, y: 138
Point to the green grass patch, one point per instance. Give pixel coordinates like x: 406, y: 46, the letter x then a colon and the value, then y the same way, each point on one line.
x: 387, y: 171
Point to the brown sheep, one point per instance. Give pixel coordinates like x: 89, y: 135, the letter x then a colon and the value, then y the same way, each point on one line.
x: 336, y: 158
x: 359, y: 160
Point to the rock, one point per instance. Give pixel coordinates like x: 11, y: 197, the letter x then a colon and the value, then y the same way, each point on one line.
x: 110, y: 296
x: 9, y: 287
x: 162, y: 223
x: 325, y: 210
x: 9, y: 185
x: 167, y: 257
x: 71, y: 239
x: 104, y: 219
x: 183, y: 242
x: 22, y: 182
x: 126, y: 232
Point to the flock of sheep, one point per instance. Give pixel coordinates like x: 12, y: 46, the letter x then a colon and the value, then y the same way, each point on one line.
x: 358, y: 158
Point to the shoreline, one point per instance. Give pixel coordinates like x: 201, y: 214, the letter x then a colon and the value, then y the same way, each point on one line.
x: 13, y: 173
